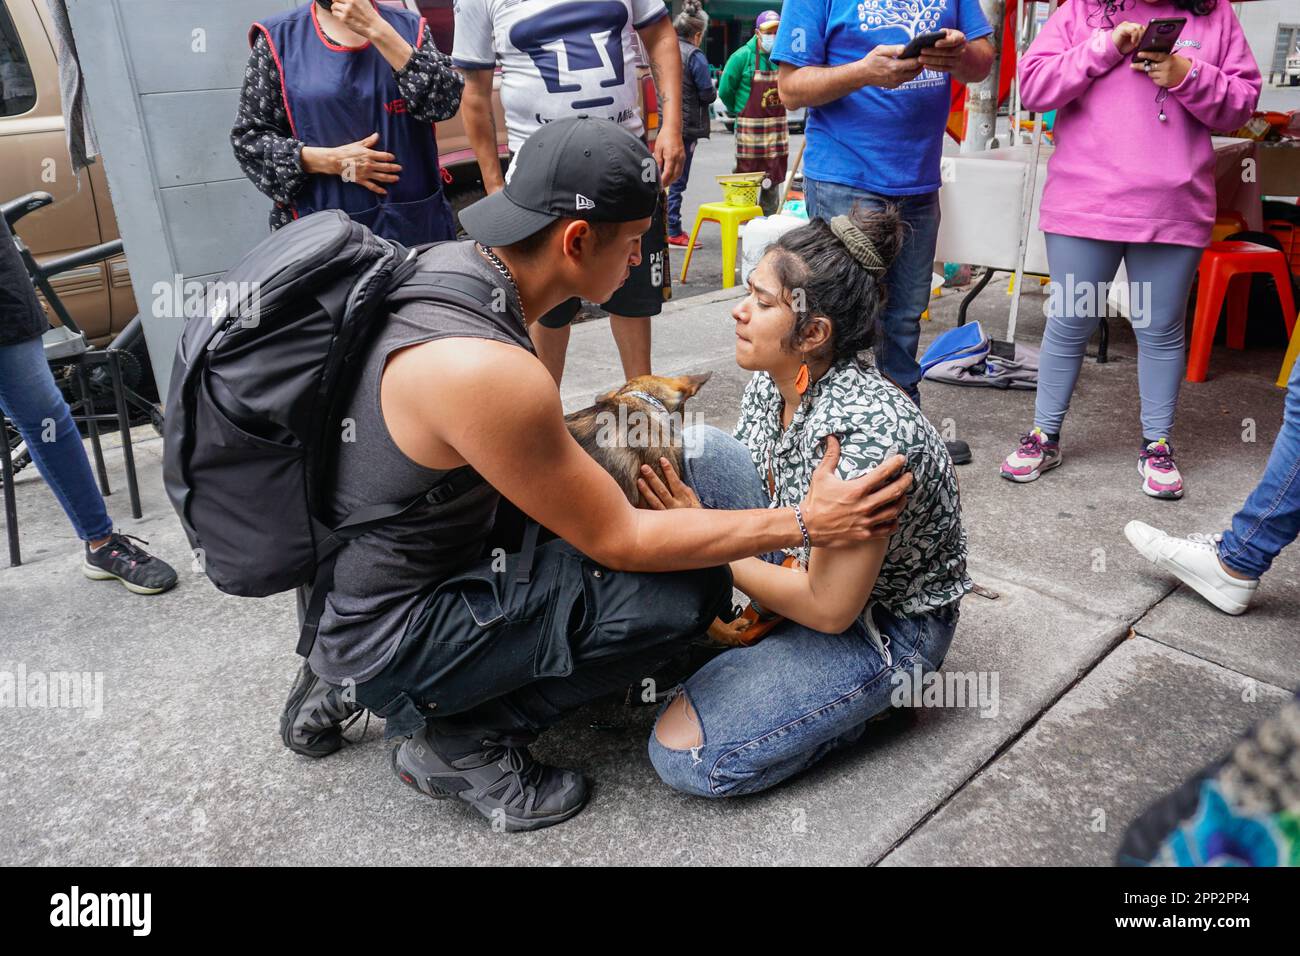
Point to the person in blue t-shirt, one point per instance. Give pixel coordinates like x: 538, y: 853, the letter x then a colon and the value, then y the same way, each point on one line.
x: 875, y: 128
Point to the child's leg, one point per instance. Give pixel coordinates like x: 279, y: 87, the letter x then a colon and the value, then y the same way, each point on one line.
x: 1160, y: 277
x: 1077, y: 299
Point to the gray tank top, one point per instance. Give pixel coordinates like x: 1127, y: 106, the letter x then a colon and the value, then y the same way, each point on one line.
x: 381, y: 576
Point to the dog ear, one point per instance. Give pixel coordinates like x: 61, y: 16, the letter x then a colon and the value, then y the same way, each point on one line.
x: 690, y: 384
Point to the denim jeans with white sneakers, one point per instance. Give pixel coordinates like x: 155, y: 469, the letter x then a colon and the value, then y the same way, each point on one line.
x: 1270, y: 518
x: 769, y: 711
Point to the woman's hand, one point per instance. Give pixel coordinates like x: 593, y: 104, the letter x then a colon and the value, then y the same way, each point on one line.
x: 840, y: 512
x: 660, y: 495
x: 1166, y: 69
x: 1127, y: 35
x: 359, y: 16
x: 354, y: 163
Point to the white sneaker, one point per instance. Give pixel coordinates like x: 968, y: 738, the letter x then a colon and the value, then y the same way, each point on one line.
x: 1194, y: 560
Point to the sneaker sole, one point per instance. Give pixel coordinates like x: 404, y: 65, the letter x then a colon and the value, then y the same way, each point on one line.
x: 99, y: 574
x: 512, y: 824
x: 1032, y: 476
x: 1158, y: 495
x: 1193, y: 581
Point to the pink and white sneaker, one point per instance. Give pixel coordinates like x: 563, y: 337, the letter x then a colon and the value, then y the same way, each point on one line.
x: 1160, y: 476
x: 1035, y: 455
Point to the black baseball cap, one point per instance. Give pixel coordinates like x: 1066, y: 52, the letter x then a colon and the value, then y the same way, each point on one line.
x: 579, y: 167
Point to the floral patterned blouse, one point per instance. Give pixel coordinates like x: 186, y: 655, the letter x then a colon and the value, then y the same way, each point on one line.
x: 925, y: 566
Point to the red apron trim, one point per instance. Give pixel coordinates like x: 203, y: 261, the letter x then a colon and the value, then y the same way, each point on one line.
x: 337, y: 47
x: 275, y: 55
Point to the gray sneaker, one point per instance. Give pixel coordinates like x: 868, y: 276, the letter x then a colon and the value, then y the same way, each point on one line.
x: 312, y: 722
x: 121, y: 559
x: 506, y: 784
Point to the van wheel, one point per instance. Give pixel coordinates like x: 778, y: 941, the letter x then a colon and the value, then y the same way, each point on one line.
x: 459, y: 199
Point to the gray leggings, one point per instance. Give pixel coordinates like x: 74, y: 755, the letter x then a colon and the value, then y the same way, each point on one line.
x: 1159, y: 276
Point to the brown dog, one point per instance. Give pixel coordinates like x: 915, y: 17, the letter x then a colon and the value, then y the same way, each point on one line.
x: 637, y: 425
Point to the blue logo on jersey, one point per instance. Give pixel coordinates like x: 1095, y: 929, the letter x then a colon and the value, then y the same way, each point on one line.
x: 589, y: 36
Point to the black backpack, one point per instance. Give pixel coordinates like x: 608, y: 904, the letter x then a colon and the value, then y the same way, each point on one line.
x: 258, y: 389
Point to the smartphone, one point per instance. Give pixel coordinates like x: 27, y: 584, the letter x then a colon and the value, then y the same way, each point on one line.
x: 917, y: 44
x: 1160, y: 35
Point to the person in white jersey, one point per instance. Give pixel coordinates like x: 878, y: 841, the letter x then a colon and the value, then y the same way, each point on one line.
x: 562, y: 58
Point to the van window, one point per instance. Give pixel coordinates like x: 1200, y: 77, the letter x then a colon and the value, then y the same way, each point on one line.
x: 17, y: 87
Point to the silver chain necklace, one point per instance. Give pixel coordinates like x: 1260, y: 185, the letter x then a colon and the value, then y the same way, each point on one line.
x: 493, y: 258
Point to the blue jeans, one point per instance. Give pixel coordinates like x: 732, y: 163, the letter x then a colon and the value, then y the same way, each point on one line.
x: 32, y: 401
x: 1162, y: 273
x: 678, y: 189
x: 769, y: 711
x: 908, y: 278
x: 1270, y: 518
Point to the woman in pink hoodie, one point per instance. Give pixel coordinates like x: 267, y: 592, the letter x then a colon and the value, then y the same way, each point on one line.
x: 1131, y: 179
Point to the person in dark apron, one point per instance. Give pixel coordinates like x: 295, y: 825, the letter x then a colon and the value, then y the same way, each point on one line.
x: 762, y: 139
x: 337, y: 112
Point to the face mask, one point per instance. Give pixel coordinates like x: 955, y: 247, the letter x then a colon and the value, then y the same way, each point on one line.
x: 765, y: 41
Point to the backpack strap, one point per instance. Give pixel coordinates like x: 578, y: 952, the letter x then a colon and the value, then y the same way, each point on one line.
x: 469, y: 292
x: 358, y: 523
x: 408, y: 284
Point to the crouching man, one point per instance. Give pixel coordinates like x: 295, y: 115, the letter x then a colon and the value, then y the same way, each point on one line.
x: 470, y: 654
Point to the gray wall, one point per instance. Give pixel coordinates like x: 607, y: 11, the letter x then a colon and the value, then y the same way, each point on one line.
x: 1259, y: 21
x: 163, y: 110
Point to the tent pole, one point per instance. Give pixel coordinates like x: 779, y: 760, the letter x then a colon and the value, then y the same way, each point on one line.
x: 982, y: 97
x: 1031, y: 183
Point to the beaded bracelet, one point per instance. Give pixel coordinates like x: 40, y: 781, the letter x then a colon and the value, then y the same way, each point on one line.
x: 803, y: 528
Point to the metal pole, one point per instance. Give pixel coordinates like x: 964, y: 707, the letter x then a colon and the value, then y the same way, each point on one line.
x: 1031, y: 182
x: 982, y: 97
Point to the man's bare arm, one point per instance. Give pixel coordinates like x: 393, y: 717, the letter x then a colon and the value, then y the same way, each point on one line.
x: 495, y: 407
x: 666, y: 67
x: 481, y: 126
x: 976, y: 61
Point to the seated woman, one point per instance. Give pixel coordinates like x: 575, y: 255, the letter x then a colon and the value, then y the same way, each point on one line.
x: 853, y: 616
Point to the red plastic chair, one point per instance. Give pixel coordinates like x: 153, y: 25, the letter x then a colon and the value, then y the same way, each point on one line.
x: 1220, y: 264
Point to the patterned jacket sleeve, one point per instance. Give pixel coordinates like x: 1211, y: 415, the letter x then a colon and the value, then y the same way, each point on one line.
x: 264, y: 144
x: 429, y: 84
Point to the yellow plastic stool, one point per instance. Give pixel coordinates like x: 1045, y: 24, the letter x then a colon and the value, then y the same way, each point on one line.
x: 1292, y: 353
x: 728, y: 218
x: 1011, y: 282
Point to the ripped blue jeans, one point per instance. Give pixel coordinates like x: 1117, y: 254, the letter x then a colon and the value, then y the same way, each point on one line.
x: 770, y: 711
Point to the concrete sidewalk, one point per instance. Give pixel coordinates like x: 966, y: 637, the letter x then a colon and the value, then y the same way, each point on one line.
x: 1113, y: 685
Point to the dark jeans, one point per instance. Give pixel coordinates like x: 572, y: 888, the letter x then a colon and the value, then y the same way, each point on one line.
x: 490, y: 655
x: 678, y: 189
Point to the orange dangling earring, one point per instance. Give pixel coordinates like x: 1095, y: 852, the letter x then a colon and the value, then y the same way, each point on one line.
x: 801, y: 380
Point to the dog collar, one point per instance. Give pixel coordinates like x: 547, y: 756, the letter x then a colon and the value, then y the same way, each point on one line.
x: 651, y: 399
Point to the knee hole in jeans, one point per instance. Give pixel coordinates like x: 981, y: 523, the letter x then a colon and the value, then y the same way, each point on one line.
x: 678, y: 727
